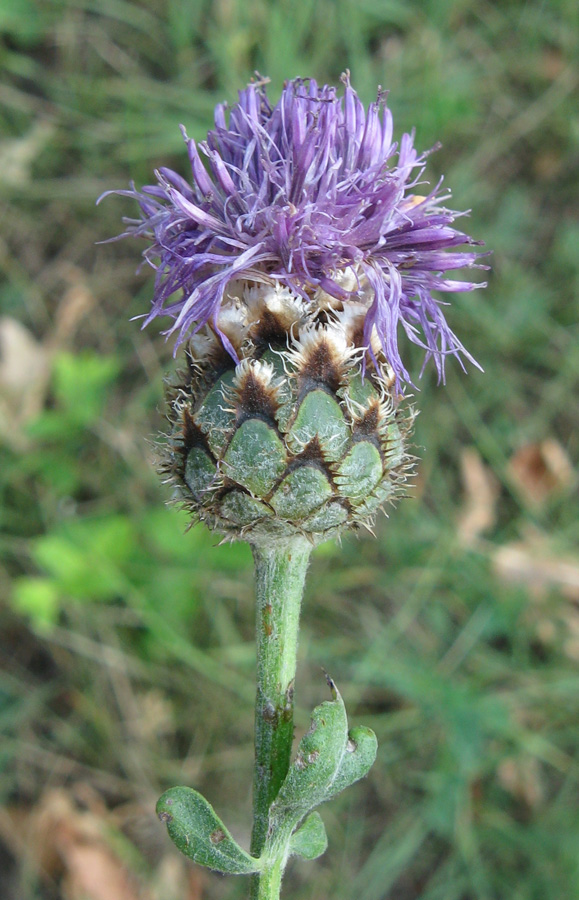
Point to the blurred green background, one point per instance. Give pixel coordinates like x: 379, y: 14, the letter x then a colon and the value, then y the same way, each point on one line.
x: 126, y: 647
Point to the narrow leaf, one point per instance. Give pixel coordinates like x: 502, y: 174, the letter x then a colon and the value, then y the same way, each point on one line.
x: 200, y: 834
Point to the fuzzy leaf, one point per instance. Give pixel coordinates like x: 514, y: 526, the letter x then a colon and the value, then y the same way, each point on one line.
x: 328, y: 760
x: 317, y: 761
x: 310, y: 840
x: 200, y: 834
x: 358, y: 759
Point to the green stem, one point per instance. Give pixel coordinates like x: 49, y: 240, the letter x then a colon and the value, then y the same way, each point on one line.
x: 280, y: 571
x: 267, y: 885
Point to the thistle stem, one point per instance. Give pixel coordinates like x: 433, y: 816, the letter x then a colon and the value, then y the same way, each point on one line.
x: 280, y: 571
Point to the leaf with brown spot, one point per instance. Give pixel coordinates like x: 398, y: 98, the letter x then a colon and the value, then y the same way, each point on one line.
x: 199, y: 833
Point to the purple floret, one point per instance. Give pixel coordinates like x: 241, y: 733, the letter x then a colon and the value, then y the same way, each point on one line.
x: 298, y: 193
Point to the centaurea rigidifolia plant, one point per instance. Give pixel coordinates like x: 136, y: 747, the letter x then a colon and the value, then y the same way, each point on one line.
x: 301, y: 247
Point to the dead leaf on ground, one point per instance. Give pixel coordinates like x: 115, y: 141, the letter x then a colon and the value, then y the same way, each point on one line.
x: 533, y: 563
x: 552, y: 583
x: 25, y: 363
x: 521, y: 777
x: 177, y: 880
x: 90, y: 868
x: 541, y: 471
x: 77, y: 301
x: 24, y: 374
x: 72, y: 838
x: 17, y: 155
x: 72, y: 846
x: 481, y: 492
x: 93, y: 873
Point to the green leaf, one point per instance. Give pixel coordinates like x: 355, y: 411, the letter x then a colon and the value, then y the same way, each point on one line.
x: 81, y: 383
x: 22, y: 19
x: 200, y: 834
x: 38, y: 599
x: 310, y: 840
x: 317, y: 761
x: 357, y: 761
x: 329, y: 759
x: 86, y: 558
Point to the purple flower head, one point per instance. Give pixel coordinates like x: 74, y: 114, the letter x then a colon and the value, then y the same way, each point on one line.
x: 303, y: 193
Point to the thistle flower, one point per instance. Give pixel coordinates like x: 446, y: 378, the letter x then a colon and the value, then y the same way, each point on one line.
x: 314, y: 195
x: 288, y: 265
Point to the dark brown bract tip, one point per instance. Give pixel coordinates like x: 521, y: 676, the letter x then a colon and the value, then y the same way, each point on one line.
x: 368, y: 423
x: 312, y: 452
x: 272, y: 328
x: 320, y: 362
x: 255, y: 395
x: 192, y: 436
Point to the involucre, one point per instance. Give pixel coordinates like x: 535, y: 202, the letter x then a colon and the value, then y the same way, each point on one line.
x: 294, y: 439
